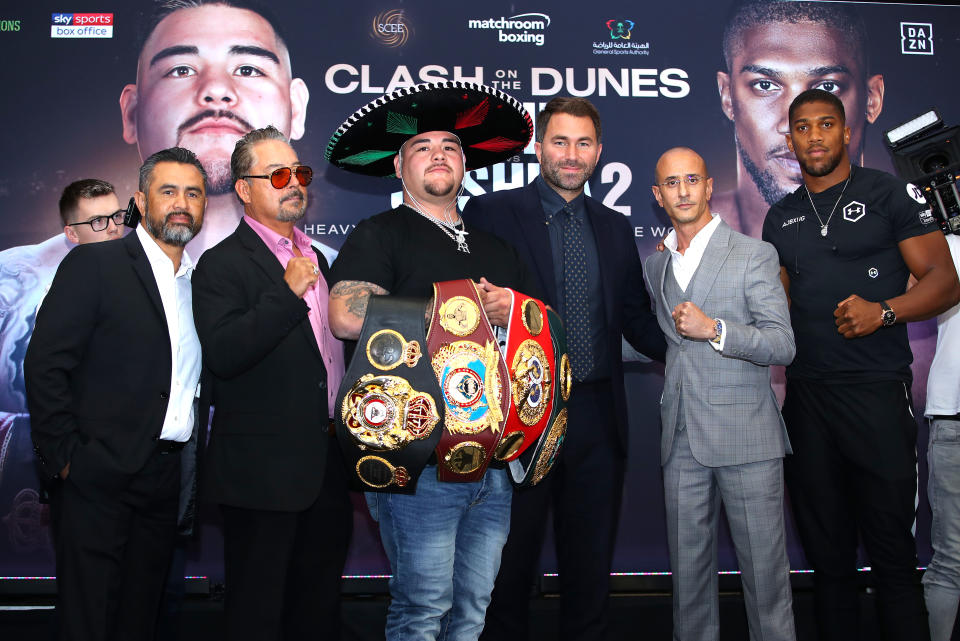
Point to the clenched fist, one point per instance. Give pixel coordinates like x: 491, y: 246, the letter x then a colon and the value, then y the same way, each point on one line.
x: 301, y: 274
x: 693, y: 323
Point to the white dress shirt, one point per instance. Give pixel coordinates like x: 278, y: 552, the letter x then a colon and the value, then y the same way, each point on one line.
x: 685, y: 264
x: 177, y: 298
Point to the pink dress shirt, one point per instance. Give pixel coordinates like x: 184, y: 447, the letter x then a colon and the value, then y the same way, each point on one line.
x: 316, y: 298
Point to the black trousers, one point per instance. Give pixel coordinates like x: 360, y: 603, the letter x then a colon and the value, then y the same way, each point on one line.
x: 115, y: 533
x: 853, y: 474
x: 584, y: 489
x: 283, y: 569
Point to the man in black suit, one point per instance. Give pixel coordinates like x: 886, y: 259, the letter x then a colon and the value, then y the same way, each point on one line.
x: 272, y: 465
x: 112, y: 372
x: 588, y: 268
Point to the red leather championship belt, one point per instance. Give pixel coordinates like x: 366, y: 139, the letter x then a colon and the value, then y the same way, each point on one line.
x: 473, y: 381
x: 532, y: 463
x: 532, y: 366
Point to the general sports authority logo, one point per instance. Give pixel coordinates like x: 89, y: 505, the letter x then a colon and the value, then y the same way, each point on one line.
x: 620, y: 29
x: 854, y: 211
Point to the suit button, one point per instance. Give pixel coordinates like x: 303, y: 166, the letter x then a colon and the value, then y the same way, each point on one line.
x: 323, y: 385
x: 164, y: 395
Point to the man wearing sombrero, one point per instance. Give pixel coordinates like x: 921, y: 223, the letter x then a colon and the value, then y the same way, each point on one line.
x: 444, y: 541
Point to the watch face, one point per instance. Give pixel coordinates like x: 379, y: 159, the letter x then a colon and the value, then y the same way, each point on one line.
x: 889, y: 318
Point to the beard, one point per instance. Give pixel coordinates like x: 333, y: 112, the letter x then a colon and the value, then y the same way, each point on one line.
x: 176, y: 234
x: 765, y: 180
x: 552, y: 173
x: 219, y: 178
x: 295, y: 214
x: 825, y: 166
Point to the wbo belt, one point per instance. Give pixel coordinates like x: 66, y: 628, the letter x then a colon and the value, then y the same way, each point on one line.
x: 388, y: 406
x: 473, y: 378
x: 532, y: 463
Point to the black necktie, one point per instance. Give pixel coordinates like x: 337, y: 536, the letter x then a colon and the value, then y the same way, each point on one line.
x: 575, y: 294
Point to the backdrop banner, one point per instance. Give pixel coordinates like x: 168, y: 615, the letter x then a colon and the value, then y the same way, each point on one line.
x: 89, y: 94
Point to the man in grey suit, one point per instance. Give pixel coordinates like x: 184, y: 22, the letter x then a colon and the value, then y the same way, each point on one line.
x: 719, y: 301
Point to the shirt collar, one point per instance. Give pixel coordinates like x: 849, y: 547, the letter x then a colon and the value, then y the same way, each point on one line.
x: 553, y: 202
x: 275, y: 241
x: 158, y: 260
x: 699, y: 241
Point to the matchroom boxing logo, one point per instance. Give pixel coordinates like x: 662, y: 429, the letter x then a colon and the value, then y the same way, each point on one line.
x: 81, y: 25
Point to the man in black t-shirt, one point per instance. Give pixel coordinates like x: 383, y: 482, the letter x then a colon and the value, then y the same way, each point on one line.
x: 444, y: 541
x: 848, y: 240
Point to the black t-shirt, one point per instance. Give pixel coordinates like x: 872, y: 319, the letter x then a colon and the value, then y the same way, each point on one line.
x: 405, y: 253
x: 859, y: 255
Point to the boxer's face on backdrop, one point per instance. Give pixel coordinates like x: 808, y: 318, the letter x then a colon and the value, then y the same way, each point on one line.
x: 205, y: 77
x: 772, y: 65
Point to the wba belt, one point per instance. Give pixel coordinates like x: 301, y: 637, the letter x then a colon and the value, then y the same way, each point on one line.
x: 473, y: 378
x: 389, y: 399
x: 532, y: 463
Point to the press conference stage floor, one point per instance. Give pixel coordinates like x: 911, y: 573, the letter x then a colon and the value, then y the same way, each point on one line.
x: 633, y: 616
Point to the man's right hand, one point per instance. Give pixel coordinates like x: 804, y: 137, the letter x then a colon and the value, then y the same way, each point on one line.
x: 301, y: 274
x: 65, y: 472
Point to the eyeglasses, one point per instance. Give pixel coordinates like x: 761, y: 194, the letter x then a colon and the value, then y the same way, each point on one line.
x: 99, y: 223
x: 280, y: 178
x: 690, y: 179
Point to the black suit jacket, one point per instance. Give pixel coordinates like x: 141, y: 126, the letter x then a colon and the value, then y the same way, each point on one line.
x: 268, y: 444
x: 98, y: 365
x: 517, y: 217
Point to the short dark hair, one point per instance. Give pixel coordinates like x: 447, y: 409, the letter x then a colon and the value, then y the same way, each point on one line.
x: 241, y: 160
x: 747, y: 14
x: 816, y: 95
x: 173, y: 154
x: 86, y: 188
x: 159, y: 9
x: 577, y: 107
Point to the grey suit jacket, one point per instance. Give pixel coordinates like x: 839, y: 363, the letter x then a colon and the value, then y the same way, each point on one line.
x: 728, y: 406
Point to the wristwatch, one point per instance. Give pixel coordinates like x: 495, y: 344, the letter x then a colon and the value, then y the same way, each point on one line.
x: 888, y: 317
x: 718, y: 327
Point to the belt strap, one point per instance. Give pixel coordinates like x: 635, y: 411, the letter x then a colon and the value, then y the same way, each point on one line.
x: 534, y: 463
x: 388, y: 401
x: 473, y: 380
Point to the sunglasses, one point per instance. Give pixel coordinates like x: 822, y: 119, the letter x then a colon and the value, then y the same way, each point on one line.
x: 280, y: 178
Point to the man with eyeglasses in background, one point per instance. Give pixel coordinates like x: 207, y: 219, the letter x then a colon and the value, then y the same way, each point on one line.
x: 260, y: 302
x: 719, y: 301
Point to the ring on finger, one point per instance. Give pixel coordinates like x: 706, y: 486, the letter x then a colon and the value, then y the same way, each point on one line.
x: 316, y: 270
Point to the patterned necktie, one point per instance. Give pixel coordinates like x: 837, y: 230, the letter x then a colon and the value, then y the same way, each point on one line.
x: 575, y: 294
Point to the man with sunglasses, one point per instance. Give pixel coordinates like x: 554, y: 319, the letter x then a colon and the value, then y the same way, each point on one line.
x: 273, y: 466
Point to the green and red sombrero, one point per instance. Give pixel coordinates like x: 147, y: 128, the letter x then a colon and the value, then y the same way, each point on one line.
x: 492, y: 126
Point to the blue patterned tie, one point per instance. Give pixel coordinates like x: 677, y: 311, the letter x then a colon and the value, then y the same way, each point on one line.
x: 575, y: 295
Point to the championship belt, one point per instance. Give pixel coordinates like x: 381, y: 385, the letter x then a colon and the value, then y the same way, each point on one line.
x: 532, y: 366
x: 536, y: 460
x: 473, y: 381
x: 388, y: 402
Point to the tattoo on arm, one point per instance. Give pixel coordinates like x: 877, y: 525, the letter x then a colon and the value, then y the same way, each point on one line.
x: 356, y: 295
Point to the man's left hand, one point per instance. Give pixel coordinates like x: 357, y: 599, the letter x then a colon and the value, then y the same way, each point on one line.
x: 496, y: 302
x: 692, y: 322
x: 857, y: 317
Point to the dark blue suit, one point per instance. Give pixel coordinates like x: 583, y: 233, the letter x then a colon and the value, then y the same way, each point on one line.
x: 585, y: 486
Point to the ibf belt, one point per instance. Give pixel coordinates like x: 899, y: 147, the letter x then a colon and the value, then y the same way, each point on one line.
x: 532, y: 366
x: 473, y: 378
x: 533, y: 464
x: 388, y: 401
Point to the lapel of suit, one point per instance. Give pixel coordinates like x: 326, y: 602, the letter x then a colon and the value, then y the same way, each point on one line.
x: 261, y: 255
x: 603, y: 234
x: 658, y: 271
x: 143, y: 270
x: 713, y: 257
x: 531, y: 222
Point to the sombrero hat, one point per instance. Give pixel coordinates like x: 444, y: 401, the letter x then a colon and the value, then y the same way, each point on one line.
x: 492, y: 126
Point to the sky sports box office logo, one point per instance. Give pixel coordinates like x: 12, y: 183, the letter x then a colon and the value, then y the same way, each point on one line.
x: 81, y: 25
